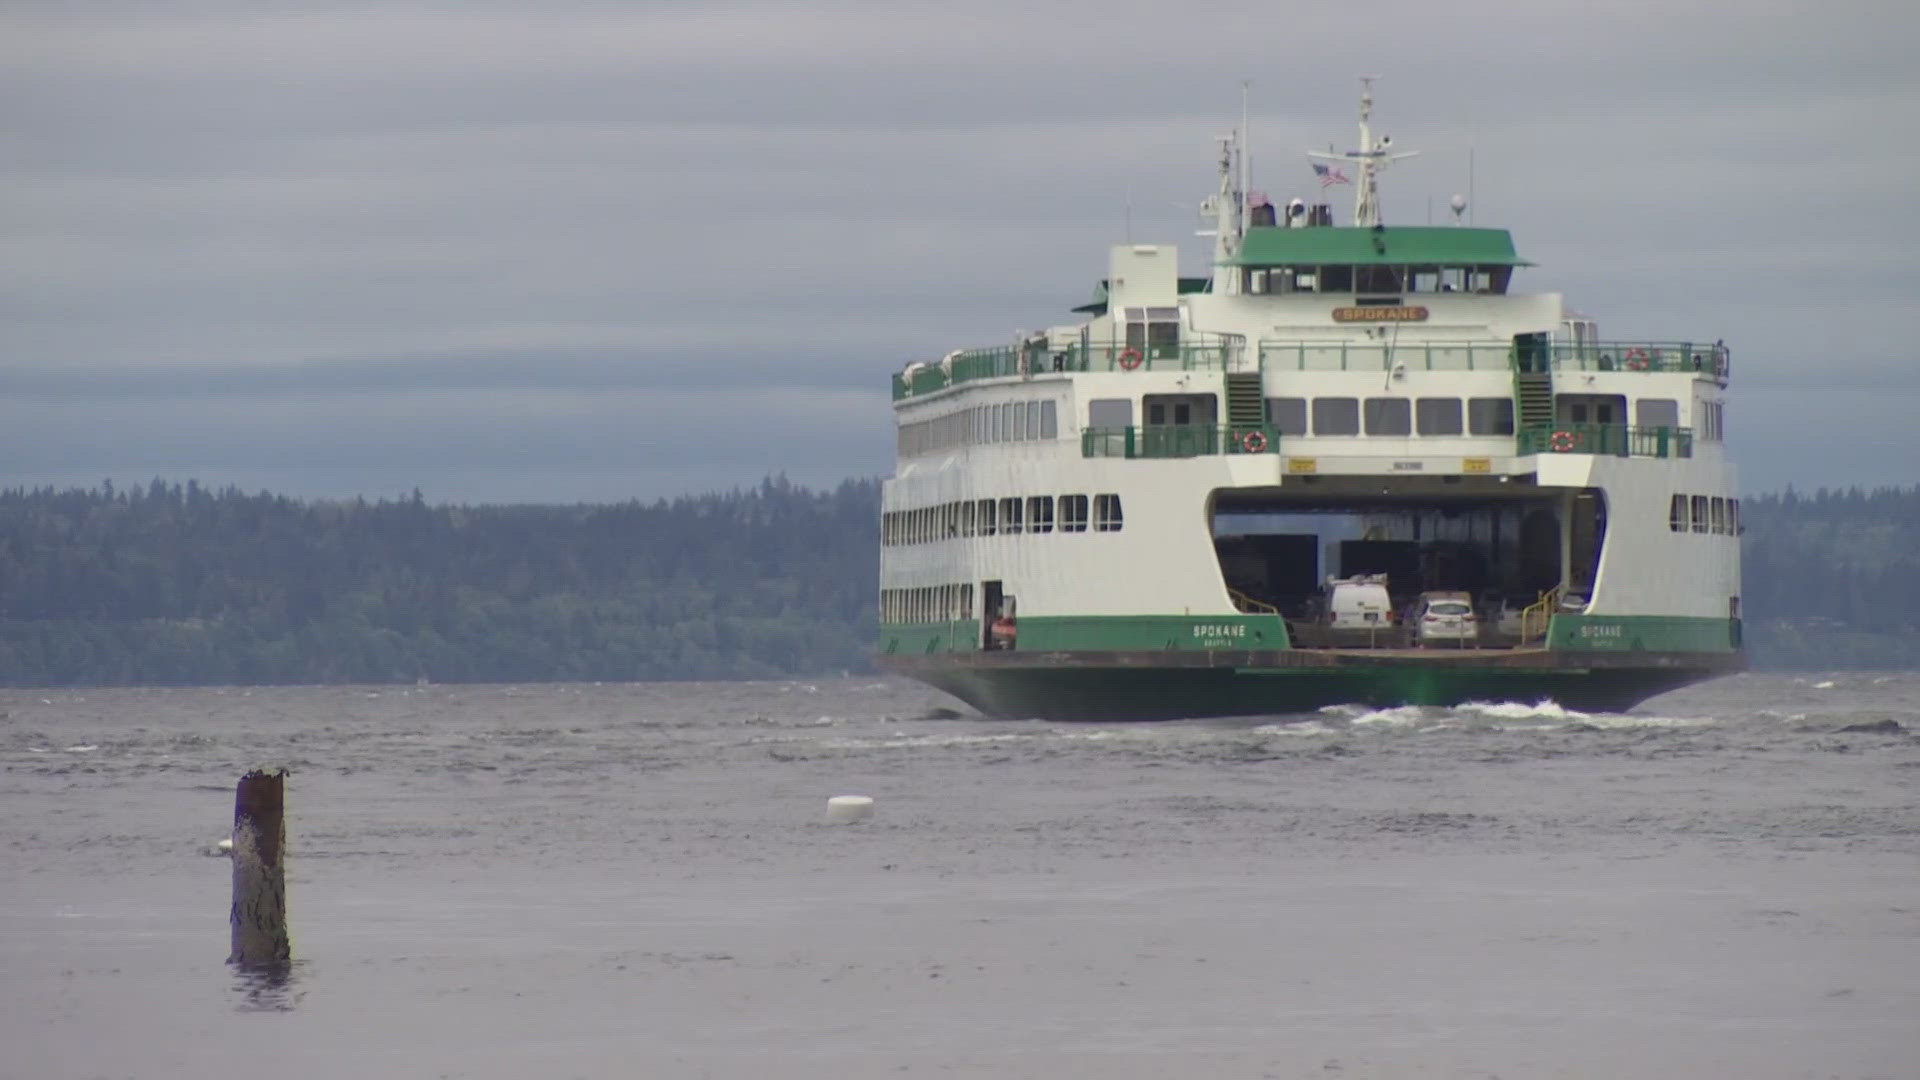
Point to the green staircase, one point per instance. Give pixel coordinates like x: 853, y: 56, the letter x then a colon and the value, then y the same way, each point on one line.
x: 1533, y: 399
x: 1246, y: 402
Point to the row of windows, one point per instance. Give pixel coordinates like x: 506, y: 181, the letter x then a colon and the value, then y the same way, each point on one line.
x: 1392, y: 416
x: 932, y: 603
x: 1713, y: 421
x: 1009, y: 421
x: 1001, y: 517
x: 1704, y: 514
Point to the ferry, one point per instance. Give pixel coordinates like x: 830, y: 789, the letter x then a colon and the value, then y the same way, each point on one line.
x: 1177, y: 505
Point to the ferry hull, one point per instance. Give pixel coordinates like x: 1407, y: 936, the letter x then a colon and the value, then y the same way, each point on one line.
x: 1154, y: 686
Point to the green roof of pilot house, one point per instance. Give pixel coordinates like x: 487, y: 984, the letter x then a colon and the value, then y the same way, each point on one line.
x: 1385, y: 245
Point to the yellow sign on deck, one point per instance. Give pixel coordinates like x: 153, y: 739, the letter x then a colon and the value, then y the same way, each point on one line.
x: 1303, y: 465
x: 1476, y: 465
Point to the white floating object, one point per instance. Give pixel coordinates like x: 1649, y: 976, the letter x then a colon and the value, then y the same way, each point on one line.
x: 847, y: 809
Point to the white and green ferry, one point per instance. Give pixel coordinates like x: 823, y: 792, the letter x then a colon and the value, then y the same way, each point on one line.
x: 1138, y: 515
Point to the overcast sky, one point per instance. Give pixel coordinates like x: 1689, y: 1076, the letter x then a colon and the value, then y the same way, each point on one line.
x: 575, y: 251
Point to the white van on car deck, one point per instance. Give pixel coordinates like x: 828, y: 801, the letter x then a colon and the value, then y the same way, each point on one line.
x: 1359, y: 603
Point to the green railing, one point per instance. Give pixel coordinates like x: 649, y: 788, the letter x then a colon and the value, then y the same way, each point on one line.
x: 1611, y: 439
x: 1178, y: 441
x: 1009, y: 360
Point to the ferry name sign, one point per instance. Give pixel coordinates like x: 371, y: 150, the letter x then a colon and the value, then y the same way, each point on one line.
x: 1381, y: 313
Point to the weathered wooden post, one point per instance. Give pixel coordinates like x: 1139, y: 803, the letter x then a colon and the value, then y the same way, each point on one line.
x: 259, y: 913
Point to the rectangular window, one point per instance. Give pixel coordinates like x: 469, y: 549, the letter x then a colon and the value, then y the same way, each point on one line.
x: 1677, y: 513
x: 1389, y: 416
x: 1033, y: 419
x: 1019, y: 421
x: 966, y: 518
x: 1106, y: 513
x: 1719, y: 511
x: 1656, y: 413
x: 1005, y: 409
x: 1733, y: 516
x: 1049, y: 421
x: 1438, y: 415
x: 993, y: 423
x: 986, y: 517
x: 1288, y: 414
x: 1110, y: 413
x: 1490, y: 416
x: 1700, y: 520
x: 1336, y: 416
x: 1010, y: 515
x: 1073, y: 513
x: 1040, y: 513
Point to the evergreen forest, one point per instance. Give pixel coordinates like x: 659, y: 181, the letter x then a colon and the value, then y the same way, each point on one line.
x: 176, y: 585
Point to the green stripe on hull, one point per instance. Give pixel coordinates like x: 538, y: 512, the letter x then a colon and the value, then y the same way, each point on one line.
x: 1642, y: 633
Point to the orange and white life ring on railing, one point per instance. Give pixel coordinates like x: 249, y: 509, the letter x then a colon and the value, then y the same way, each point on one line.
x: 1563, y: 442
x: 1636, y: 359
x: 1254, y: 442
x: 1130, y: 359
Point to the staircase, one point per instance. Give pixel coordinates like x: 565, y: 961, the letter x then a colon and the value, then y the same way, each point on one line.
x: 1246, y: 403
x: 1533, y: 396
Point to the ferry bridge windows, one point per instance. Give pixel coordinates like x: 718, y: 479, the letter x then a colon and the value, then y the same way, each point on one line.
x: 1700, y: 520
x: 1677, y: 514
x: 1704, y: 514
x: 1049, y: 420
x: 1437, y: 416
x: 1712, y: 420
x: 1287, y: 415
x: 1106, y: 513
x: 1073, y: 513
x: 1490, y: 416
x: 989, y: 520
x: 1389, y: 416
x: 1336, y: 416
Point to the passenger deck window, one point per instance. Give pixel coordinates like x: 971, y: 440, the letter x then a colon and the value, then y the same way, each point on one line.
x: 1438, y: 416
x: 1677, y: 514
x: 1656, y: 413
x: 1110, y: 413
x: 1389, y: 416
x: 1073, y: 513
x: 1336, y: 416
x: 1010, y: 515
x: 988, y: 520
x: 1288, y: 414
x: 1700, y: 520
x: 1490, y: 416
x: 1719, y: 512
x: 1049, y: 422
x: 1040, y: 513
x: 1106, y: 513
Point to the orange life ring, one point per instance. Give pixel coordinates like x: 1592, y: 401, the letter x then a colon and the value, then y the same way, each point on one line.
x: 1636, y: 359
x: 1563, y: 442
x: 1253, y: 442
x: 1130, y: 359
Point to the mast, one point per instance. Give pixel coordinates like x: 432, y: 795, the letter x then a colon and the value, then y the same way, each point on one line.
x: 1372, y: 157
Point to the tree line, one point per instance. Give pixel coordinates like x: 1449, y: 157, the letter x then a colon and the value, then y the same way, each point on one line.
x: 177, y: 584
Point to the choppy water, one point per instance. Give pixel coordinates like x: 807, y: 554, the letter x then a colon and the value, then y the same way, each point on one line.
x: 638, y: 880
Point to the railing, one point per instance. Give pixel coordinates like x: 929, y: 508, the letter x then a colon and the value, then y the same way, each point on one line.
x: 1684, y: 356
x: 1212, y: 353
x: 1611, y: 439
x: 1249, y: 605
x: 1205, y: 354
x: 1178, y: 441
x: 1534, y: 620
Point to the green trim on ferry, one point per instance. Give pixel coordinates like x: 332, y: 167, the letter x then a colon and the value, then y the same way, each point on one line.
x: 1391, y: 245
x: 906, y: 639
x: 1119, y: 633
x: 1642, y: 633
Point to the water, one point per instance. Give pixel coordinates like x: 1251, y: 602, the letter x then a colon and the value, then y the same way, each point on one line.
x: 633, y: 880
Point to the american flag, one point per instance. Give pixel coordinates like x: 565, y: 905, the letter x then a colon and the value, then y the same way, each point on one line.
x: 1329, y: 175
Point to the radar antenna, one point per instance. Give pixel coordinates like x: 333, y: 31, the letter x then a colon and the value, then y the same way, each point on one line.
x: 1372, y: 156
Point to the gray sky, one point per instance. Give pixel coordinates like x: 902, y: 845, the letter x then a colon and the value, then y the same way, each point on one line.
x: 592, y: 251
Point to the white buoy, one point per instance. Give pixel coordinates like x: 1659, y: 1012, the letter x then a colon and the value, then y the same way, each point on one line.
x: 847, y: 809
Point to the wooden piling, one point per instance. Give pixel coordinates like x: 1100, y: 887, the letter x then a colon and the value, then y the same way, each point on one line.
x: 259, y: 914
